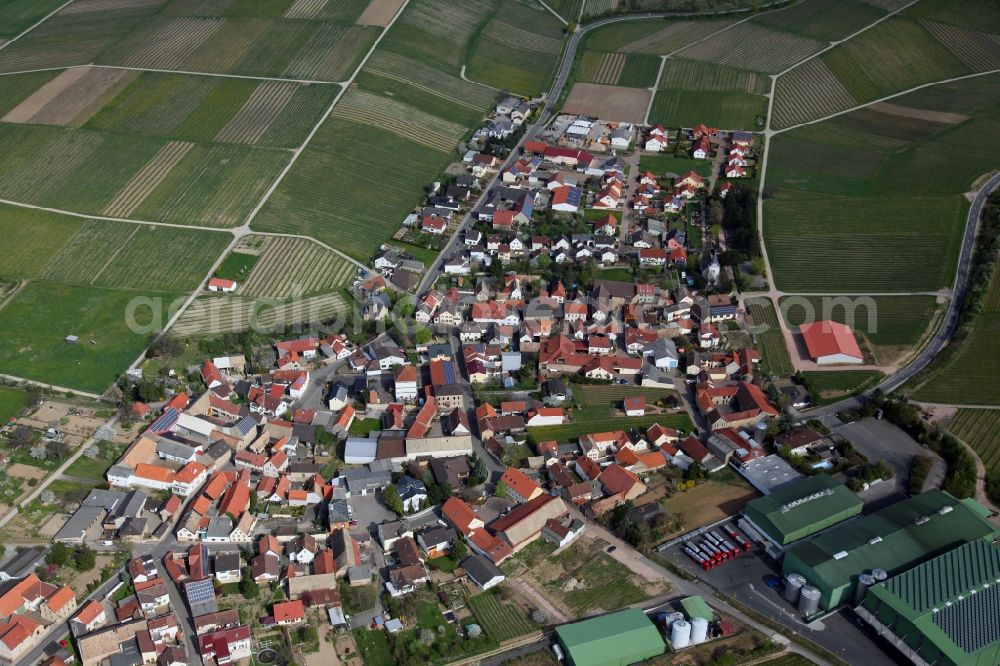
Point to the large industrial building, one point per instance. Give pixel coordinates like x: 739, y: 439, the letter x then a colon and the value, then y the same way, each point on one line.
x: 892, y: 540
x: 802, y: 509
x: 945, y: 611
x: 616, y: 639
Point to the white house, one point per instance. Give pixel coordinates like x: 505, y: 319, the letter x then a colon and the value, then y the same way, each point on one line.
x: 223, y: 285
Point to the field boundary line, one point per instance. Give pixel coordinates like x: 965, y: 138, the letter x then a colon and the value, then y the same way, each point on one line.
x: 114, y: 255
x: 848, y: 38
x: 225, y: 76
x: 18, y: 288
x: 60, y: 211
x: 35, y: 25
x: 883, y: 99
x: 40, y: 69
x: 54, y: 387
x: 326, y: 114
x: 554, y: 13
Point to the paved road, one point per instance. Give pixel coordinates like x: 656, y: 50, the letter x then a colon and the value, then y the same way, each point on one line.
x: 948, y: 326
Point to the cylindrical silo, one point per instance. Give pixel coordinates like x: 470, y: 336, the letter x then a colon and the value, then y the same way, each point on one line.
x: 864, y: 582
x: 680, y: 634
x: 793, y: 585
x: 880, y: 575
x: 699, y: 630
x: 809, y: 600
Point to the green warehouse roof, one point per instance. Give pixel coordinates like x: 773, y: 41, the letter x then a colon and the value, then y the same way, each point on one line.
x: 895, y: 538
x: 803, y: 508
x: 947, y: 606
x: 616, y: 639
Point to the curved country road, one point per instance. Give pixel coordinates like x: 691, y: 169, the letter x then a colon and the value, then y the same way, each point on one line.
x: 947, y: 327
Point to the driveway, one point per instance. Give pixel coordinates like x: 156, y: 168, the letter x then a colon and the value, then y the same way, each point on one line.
x: 368, y: 510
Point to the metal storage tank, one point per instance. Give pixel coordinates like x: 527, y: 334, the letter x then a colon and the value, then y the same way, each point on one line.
x: 880, y: 575
x: 793, y: 585
x: 809, y: 600
x: 680, y: 634
x: 864, y: 582
x: 699, y: 630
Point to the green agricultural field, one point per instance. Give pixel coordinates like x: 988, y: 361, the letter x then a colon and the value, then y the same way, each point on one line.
x: 12, y: 401
x: 295, y: 267
x: 847, y: 193
x: 17, y: 87
x: 309, y: 50
x: 205, y: 108
x: 770, y: 341
x: 968, y: 377
x: 654, y: 36
x: 884, y: 320
x: 18, y: 15
x: 502, y: 621
x: 517, y: 49
x: 212, y: 315
x: 74, y: 36
x: 755, y: 47
x: 980, y: 429
x: 436, y: 92
x: 821, y: 19
x: 333, y: 191
x: 663, y: 163
x: 600, y: 420
x: 687, y: 108
x: 419, y: 33
x: 34, y: 325
x: 835, y: 384
x: 972, y: 14
x: 33, y: 236
x: 134, y: 256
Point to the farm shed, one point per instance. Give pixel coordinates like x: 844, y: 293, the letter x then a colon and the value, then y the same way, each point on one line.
x: 830, y: 342
x: 893, y: 539
x: 616, y: 639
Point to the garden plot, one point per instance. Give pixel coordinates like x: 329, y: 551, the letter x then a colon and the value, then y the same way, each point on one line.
x: 808, y: 92
x: 170, y: 45
x: 148, y: 179
x: 613, y: 103
x: 754, y: 47
x: 296, y: 267
x: 70, y: 98
x: 212, y: 315
x: 401, y: 119
x: 258, y: 113
x: 378, y: 12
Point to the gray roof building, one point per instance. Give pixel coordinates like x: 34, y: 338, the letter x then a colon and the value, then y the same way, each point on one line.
x: 362, y: 481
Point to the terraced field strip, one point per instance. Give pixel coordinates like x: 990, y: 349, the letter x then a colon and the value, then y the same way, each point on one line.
x: 978, y: 50
x: 609, y: 68
x: 174, y: 42
x: 148, y: 179
x: 754, y: 47
x: 295, y: 267
x: 332, y: 53
x: 980, y: 429
x: 37, y: 162
x: 809, y: 91
x: 400, y: 119
x: 693, y: 75
x: 519, y: 38
x: 767, y: 332
x: 227, y: 314
x: 676, y: 35
x: 258, y: 113
x: 305, y: 9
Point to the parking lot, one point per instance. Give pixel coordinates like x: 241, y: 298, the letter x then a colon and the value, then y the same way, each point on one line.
x: 369, y: 511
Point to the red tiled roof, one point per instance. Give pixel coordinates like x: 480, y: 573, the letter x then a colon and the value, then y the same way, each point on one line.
x: 517, y: 481
x: 825, y: 338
